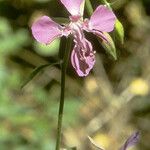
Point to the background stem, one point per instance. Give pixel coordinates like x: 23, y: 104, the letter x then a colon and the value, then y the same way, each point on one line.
x: 89, y: 7
x: 62, y: 95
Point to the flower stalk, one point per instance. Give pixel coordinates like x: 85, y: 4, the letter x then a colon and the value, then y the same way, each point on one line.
x: 62, y: 94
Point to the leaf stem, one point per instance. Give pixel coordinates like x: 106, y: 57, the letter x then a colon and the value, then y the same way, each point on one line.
x: 62, y: 95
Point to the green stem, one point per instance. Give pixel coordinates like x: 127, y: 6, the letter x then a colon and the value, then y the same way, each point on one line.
x: 103, y: 1
x: 106, y: 3
x: 62, y: 95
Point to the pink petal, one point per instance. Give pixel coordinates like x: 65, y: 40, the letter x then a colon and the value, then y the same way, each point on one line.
x: 74, y: 6
x: 103, y: 19
x: 45, y: 30
x: 83, y: 60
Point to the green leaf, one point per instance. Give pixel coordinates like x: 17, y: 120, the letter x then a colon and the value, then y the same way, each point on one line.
x: 119, y: 31
x: 109, y: 46
x: 36, y: 71
x: 89, y: 7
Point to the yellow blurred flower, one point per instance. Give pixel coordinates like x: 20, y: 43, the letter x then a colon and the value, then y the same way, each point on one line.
x: 139, y: 87
x: 102, y: 140
x: 91, y: 84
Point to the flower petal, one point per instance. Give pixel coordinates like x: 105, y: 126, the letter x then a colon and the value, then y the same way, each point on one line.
x: 103, y: 19
x: 82, y: 59
x: 45, y: 30
x: 75, y: 7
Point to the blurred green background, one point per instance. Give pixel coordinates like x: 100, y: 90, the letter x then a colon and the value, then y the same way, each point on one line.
x: 108, y: 105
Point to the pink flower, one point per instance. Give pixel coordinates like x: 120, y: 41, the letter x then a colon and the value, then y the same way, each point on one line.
x: 45, y: 30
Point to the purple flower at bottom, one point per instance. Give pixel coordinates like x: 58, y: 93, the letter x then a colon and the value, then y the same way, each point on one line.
x: 131, y: 141
x: 45, y: 30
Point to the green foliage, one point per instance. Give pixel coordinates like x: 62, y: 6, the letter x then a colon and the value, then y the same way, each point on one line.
x: 47, y: 50
x: 119, y: 31
x: 11, y: 41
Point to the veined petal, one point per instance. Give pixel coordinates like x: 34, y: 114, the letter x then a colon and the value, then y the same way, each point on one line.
x: 103, y: 19
x: 75, y: 7
x: 45, y: 30
x: 82, y: 59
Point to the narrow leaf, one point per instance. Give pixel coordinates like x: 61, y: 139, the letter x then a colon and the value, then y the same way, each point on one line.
x: 36, y: 71
x: 132, y: 140
x: 109, y: 46
x: 89, y: 7
x: 119, y: 31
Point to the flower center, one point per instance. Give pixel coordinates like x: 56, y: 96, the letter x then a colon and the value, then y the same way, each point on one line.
x: 75, y: 18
